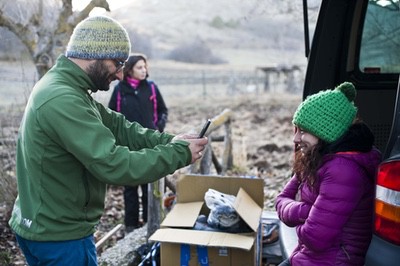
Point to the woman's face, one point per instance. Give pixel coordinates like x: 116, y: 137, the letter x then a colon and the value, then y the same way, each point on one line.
x: 304, y: 141
x: 139, y: 70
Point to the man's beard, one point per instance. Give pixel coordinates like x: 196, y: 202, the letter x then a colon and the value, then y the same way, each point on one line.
x: 99, y: 75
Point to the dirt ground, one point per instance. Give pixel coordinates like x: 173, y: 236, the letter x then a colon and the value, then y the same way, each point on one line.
x: 261, y: 132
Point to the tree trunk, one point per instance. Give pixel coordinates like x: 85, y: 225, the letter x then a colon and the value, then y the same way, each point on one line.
x: 35, y: 29
x: 44, y: 43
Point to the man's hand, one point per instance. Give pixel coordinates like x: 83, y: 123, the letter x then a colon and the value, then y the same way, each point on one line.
x: 196, y: 145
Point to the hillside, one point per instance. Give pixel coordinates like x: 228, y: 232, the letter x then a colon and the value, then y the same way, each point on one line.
x: 251, y: 32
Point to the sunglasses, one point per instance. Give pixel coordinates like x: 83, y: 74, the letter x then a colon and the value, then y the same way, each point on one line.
x: 119, y: 65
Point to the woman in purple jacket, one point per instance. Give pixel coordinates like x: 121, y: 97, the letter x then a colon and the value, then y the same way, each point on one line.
x: 330, y: 198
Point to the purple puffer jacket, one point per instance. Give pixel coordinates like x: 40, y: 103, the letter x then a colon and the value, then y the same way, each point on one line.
x: 333, y: 221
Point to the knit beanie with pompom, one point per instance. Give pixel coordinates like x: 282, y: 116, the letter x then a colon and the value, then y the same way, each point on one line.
x: 327, y: 114
x: 99, y: 37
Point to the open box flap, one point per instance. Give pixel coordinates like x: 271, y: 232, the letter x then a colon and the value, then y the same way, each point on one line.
x: 191, y: 188
x: 248, y: 209
x: 183, y: 215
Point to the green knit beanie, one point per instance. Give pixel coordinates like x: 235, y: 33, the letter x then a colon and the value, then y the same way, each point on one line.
x: 99, y: 37
x: 327, y: 114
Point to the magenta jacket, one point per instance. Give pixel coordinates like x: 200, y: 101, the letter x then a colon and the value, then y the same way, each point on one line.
x: 334, y: 222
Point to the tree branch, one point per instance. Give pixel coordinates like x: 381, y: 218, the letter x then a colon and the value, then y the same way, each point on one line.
x: 18, y: 29
x: 46, y: 43
x: 86, y: 11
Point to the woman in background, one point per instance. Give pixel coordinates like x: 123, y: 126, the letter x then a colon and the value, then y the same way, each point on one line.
x: 139, y: 100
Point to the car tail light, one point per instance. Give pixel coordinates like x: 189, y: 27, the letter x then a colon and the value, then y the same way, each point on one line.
x: 387, y: 202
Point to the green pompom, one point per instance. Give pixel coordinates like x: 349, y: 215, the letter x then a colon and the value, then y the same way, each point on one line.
x: 347, y: 88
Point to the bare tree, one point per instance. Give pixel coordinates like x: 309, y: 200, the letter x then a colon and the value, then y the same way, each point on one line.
x: 44, y: 26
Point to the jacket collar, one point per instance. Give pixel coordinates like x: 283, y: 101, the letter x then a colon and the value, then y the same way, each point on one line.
x: 77, y: 77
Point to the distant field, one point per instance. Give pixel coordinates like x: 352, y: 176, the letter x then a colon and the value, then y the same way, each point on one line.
x: 177, y: 81
x: 16, y: 81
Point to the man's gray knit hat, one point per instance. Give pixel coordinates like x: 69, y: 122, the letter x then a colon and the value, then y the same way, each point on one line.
x: 99, y: 37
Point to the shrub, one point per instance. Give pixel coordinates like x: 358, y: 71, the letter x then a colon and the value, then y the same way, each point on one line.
x: 195, y: 52
x: 218, y: 23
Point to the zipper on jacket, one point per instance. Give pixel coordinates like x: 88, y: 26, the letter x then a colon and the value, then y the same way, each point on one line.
x: 87, y: 194
x: 345, y: 251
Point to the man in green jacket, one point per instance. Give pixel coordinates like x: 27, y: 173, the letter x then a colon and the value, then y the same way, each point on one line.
x: 70, y: 146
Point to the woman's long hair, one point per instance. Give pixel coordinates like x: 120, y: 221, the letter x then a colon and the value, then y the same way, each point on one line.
x: 358, y: 138
x: 306, y: 165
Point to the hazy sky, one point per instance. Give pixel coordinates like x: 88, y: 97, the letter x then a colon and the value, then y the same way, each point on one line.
x: 114, y: 4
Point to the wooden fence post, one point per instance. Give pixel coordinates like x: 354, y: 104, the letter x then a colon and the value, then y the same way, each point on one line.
x: 227, y: 160
x: 204, y: 165
x: 154, y: 209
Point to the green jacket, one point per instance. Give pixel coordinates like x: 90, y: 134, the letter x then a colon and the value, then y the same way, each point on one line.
x: 69, y: 147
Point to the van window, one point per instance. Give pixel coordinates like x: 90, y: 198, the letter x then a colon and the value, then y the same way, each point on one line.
x: 380, y: 43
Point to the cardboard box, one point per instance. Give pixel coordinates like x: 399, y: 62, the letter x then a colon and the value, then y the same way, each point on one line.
x: 181, y: 245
